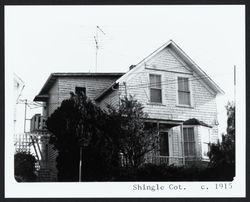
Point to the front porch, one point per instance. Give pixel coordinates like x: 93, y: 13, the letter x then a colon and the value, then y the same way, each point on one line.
x: 170, y: 148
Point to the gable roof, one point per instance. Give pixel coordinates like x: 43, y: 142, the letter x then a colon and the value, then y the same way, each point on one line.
x: 43, y: 94
x: 208, y: 81
x: 191, y: 64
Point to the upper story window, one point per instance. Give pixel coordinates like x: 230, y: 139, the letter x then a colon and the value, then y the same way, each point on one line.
x: 155, y: 88
x: 80, y: 90
x: 184, y: 97
x: 189, y: 142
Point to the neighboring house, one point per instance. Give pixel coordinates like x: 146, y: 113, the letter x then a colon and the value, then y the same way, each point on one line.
x: 179, y: 98
x: 57, y: 88
x: 18, y: 88
x: 19, y: 136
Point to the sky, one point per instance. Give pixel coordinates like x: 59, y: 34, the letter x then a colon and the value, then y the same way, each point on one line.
x: 40, y: 40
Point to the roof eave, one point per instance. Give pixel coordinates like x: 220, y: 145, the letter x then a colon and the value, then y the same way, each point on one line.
x: 197, y: 69
x: 41, y: 98
x: 125, y: 76
x: 105, y: 92
x: 53, y: 76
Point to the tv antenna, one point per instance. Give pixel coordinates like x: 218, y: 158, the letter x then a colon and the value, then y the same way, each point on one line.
x: 98, y: 29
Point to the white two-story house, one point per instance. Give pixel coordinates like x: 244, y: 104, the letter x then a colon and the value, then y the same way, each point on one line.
x: 178, y: 96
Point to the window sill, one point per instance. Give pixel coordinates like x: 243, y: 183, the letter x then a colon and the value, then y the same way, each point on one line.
x: 155, y: 103
x: 185, y: 106
x: 205, y: 159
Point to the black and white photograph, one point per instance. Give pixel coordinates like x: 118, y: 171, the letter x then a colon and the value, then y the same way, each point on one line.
x: 128, y: 101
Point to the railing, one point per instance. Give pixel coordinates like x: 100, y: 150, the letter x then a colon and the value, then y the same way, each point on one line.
x: 157, y: 160
x: 169, y: 160
x: 174, y: 160
x: 38, y: 123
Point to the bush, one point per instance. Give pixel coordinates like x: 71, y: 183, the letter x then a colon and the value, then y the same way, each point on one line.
x: 222, y: 154
x: 25, y: 167
x: 163, y: 172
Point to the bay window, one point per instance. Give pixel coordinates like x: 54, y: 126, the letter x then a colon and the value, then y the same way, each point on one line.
x: 189, y: 142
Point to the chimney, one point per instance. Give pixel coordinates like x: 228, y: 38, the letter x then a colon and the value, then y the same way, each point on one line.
x: 131, y: 67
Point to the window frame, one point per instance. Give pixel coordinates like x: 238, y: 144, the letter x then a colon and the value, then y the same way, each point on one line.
x: 194, y: 141
x: 82, y: 87
x: 190, y: 91
x: 165, y: 136
x: 149, y: 89
x: 205, y: 142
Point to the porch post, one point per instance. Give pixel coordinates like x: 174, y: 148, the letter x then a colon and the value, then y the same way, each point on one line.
x: 80, y: 165
x: 157, y: 160
x: 182, y: 144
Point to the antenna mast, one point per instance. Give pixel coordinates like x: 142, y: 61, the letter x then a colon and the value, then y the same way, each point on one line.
x: 97, y: 45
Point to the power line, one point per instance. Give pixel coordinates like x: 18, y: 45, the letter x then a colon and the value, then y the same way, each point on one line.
x: 136, y: 85
x: 143, y: 85
x: 140, y: 85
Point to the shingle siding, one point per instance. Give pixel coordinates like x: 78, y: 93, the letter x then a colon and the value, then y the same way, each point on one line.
x: 169, y: 66
x: 51, y: 106
x: 53, y: 101
x: 61, y: 91
x: 112, y: 99
x: 167, y: 60
x: 94, y: 86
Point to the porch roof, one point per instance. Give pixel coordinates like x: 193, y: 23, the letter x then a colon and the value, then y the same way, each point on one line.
x: 195, y: 121
x: 170, y: 122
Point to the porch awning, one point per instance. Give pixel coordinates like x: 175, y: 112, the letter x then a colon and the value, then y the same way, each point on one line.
x: 170, y: 123
x: 195, y: 121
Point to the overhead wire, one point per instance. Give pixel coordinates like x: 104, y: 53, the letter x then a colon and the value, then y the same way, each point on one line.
x: 142, y: 85
x: 135, y: 86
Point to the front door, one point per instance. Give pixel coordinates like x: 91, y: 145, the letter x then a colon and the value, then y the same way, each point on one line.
x: 164, y: 147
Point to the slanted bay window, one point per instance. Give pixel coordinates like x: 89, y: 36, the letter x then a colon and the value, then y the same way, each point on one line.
x: 155, y: 88
x: 189, y: 142
x: 184, y: 97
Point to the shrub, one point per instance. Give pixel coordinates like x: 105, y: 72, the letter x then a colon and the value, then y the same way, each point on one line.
x: 24, y: 167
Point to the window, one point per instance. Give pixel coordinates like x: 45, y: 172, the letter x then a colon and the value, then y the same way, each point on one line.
x: 189, y: 142
x: 205, y: 139
x: 183, y: 91
x: 155, y: 88
x: 205, y: 149
x: 80, y: 90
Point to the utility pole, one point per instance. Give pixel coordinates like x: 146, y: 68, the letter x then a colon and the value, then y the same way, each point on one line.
x: 234, y: 84
x: 97, y: 45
